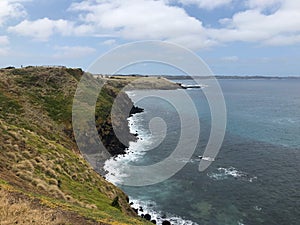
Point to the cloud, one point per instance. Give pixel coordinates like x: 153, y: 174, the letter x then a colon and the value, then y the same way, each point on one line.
x: 266, y: 22
x: 142, y: 19
x: 263, y: 4
x: 281, y: 27
x: 10, y: 9
x: 284, y: 40
x: 72, y: 52
x: 206, y: 4
x: 42, y: 29
x: 110, y: 42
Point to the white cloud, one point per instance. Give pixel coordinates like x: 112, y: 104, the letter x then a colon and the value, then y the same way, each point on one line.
x: 270, y: 22
x: 149, y: 19
x: 42, y: 29
x: 110, y: 42
x: 281, y: 27
x: 72, y: 52
x: 284, y: 40
x: 206, y: 4
x: 263, y: 4
x: 10, y: 9
x: 142, y: 19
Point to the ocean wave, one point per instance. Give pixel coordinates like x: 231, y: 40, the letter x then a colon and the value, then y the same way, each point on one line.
x: 116, y: 166
x: 148, y: 207
x: 196, y: 159
x: 286, y: 120
x: 231, y: 172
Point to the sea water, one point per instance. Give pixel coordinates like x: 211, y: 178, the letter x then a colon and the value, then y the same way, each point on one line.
x: 255, y: 179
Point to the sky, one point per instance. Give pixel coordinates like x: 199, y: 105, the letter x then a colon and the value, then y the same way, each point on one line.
x: 234, y: 37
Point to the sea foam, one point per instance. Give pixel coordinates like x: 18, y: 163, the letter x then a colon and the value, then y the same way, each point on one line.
x: 231, y: 172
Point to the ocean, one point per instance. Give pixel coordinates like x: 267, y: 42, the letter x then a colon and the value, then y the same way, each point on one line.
x: 255, y: 178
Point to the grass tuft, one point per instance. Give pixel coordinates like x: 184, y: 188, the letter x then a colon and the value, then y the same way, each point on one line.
x: 17, y: 211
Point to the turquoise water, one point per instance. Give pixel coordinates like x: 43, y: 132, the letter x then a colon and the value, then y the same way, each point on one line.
x: 254, y: 180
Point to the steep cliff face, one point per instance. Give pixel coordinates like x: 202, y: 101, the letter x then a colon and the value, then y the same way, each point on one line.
x: 104, y: 126
x: 39, y: 158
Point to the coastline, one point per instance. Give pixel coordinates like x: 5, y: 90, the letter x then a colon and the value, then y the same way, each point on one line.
x: 136, y: 150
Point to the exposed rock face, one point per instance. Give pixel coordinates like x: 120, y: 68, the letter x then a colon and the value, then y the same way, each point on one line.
x: 116, y: 144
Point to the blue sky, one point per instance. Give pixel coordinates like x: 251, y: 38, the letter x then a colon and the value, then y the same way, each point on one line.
x: 234, y: 37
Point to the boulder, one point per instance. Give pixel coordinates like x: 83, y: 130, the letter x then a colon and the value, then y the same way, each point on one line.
x: 147, y: 217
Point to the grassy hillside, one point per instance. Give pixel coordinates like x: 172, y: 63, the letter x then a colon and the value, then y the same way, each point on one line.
x: 43, y: 177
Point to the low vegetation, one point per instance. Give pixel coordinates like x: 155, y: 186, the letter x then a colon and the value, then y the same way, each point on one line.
x: 43, y: 177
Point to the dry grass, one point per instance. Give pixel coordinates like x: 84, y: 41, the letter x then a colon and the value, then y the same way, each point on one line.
x: 18, y: 211
x: 38, y: 157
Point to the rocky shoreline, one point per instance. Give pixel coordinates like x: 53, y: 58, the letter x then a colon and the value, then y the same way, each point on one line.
x: 148, y: 216
x: 117, y: 143
x: 138, y: 209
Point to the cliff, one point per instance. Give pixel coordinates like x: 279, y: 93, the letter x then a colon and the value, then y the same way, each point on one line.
x: 44, y: 179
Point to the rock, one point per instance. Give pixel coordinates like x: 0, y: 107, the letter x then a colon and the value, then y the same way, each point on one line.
x: 141, y: 209
x: 166, y: 222
x: 147, y: 217
x: 136, y: 210
x: 153, y: 221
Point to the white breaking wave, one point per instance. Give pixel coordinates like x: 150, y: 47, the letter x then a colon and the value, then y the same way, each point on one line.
x: 148, y: 208
x: 116, y: 167
x: 225, y: 173
x: 136, y: 150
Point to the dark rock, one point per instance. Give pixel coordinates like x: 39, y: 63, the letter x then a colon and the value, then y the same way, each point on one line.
x: 115, y: 141
x: 135, y: 110
x: 141, y: 209
x: 135, y: 210
x: 166, y: 222
x: 9, y: 67
x: 147, y: 217
x: 153, y: 221
x: 59, y: 183
x: 115, y: 202
x: 131, y: 203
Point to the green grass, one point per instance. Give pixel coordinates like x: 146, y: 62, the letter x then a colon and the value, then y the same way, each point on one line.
x: 9, y: 106
x: 35, y: 112
x: 58, y: 106
x: 89, y: 192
